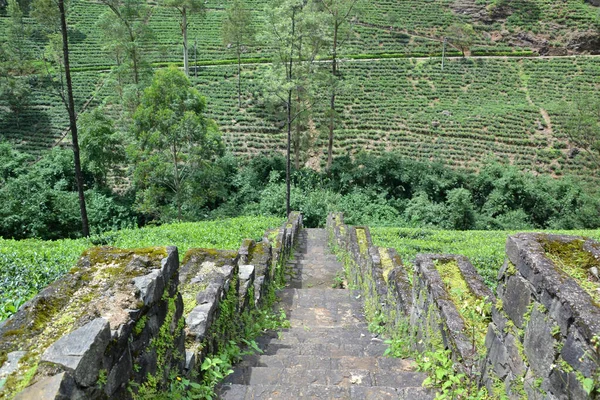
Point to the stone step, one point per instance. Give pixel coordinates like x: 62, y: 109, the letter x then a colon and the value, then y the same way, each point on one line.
x: 322, y: 392
x: 319, y: 335
x: 328, y: 377
x: 373, y: 364
x: 327, y: 349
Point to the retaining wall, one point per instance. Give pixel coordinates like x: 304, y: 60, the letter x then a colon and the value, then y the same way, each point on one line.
x: 541, y: 337
x: 544, y: 341
x: 122, y: 321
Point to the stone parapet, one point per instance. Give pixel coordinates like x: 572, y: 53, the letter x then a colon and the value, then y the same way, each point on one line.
x: 96, y: 332
x: 123, y: 321
x: 544, y: 341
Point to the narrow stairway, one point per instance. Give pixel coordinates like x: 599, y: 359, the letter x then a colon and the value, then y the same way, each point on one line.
x: 328, y: 353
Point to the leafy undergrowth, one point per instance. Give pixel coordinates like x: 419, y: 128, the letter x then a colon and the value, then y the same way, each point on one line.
x: 27, y: 266
x: 485, y: 249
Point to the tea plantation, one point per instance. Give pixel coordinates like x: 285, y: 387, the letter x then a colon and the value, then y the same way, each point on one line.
x: 511, y: 108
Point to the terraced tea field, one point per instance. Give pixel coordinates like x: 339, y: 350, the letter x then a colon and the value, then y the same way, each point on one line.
x: 511, y: 108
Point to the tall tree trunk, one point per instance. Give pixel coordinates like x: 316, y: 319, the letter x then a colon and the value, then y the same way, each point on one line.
x: 288, y: 161
x: 332, y: 103
x: 290, y: 77
x: 186, y: 67
x: 177, y: 181
x: 239, y: 57
x: 73, y: 121
x: 134, y: 56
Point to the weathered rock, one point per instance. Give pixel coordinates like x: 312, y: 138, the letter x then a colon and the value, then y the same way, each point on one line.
x: 11, y: 363
x: 561, y: 316
x: 57, y: 387
x: 246, y: 278
x: 518, y: 298
x: 584, y: 42
x: 539, y: 345
x: 81, y: 351
x: 199, y: 320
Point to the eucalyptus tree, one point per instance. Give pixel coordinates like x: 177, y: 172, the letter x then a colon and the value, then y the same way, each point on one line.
x: 340, y: 13
x: 174, y: 139
x: 294, y: 30
x: 127, y: 30
x: 185, y: 7
x: 238, y: 32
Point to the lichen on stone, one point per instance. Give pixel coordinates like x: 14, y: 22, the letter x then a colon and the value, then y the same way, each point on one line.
x: 100, y: 284
x: 361, y: 237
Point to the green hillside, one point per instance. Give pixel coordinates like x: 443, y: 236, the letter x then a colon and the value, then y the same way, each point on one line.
x: 512, y: 108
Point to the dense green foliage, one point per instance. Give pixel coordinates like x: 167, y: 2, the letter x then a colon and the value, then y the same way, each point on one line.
x: 27, y: 266
x: 485, y: 249
x: 391, y: 190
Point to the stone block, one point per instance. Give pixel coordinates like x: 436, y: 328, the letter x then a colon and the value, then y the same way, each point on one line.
x: 11, y: 364
x: 199, y: 319
x: 81, y: 351
x: 517, y: 299
x: 58, y: 387
x: 119, y: 375
x: 579, y: 354
x: 539, y: 344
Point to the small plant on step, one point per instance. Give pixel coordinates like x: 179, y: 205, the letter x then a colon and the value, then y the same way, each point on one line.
x: 338, y: 281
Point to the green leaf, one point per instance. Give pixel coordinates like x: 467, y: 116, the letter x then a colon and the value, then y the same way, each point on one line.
x: 588, y: 385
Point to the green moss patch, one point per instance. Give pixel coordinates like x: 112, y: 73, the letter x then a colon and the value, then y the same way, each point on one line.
x: 475, y: 311
x: 361, y: 237
x: 386, y: 263
x: 572, y: 260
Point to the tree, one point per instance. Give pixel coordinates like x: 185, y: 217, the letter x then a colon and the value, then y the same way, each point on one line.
x: 239, y: 33
x: 339, y: 12
x: 53, y: 16
x: 16, y: 47
x: 127, y: 33
x: 460, y: 214
x: 184, y: 7
x: 102, y: 147
x: 461, y: 36
x: 295, y: 31
x: 583, y: 127
x: 17, y: 93
x: 174, y: 139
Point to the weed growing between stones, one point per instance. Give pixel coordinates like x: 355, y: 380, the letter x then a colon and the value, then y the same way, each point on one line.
x: 231, y: 337
x: 592, y: 385
x: 442, y: 373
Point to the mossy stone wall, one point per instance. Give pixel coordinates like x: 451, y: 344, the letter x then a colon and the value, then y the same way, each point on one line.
x: 122, y: 323
x: 544, y: 341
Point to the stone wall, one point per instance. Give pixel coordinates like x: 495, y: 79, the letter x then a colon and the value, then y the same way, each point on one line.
x: 544, y: 341
x: 122, y: 321
x: 416, y: 300
x: 379, y: 272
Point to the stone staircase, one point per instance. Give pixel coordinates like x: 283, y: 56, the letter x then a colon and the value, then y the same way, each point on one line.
x: 328, y: 353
